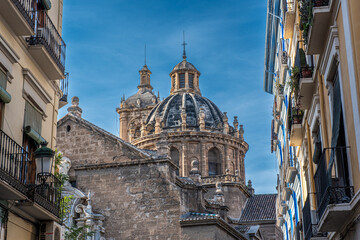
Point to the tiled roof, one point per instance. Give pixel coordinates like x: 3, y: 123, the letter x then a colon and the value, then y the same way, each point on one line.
x: 260, y: 207
x: 242, y: 228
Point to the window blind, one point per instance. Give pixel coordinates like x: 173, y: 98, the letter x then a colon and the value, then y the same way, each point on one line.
x: 32, y: 118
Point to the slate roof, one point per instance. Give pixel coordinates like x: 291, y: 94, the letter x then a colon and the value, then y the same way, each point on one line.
x: 184, y: 65
x: 171, y: 107
x: 260, y: 207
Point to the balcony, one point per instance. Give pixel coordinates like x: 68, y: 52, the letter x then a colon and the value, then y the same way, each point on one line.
x: 45, y: 200
x: 310, y: 229
x: 333, y: 191
x: 306, y: 86
x: 16, y: 182
x: 47, y: 47
x: 291, y: 173
x: 64, y: 85
x: 14, y: 169
x: 319, y: 27
x: 19, y: 15
x: 295, y: 127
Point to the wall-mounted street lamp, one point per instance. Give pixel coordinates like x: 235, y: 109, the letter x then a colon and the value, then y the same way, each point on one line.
x: 44, y: 158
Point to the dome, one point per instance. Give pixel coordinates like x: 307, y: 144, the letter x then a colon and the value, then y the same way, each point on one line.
x: 184, y: 65
x: 170, y: 110
x: 142, y: 98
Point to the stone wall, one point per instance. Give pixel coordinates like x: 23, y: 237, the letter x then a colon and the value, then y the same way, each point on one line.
x: 84, y: 145
x: 205, y: 232
x: 138, y: 201
x: 235, y: 198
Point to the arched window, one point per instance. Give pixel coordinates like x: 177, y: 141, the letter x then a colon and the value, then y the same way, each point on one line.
x: 175, y: 157
x: 214, y: 161
x: 57, y: 234
x: 182, y: 80
x: 191, y: 80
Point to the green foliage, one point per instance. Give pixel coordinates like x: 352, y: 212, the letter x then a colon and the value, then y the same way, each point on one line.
x: 305, y: 9
x: 302, y: 58
x: 78, y: 233
x: 294, y: 82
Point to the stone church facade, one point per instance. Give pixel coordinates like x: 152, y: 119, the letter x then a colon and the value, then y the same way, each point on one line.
x: 176, y: 172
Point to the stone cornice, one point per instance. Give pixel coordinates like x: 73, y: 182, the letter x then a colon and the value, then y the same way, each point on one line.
x: 239, y: 185
x: 194, y: 135
x: 123, y: 164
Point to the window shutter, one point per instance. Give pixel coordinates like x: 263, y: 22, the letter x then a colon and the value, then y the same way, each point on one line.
x: 33, y: 118
x: 336, y: 119
x: 3, y: 78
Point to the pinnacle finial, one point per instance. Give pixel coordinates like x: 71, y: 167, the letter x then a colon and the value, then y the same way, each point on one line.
x: 184, y: 44
x: 145, y: 55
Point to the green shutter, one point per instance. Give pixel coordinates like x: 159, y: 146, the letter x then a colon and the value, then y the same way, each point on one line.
x: 3, y: 78
x: 33, y: 118
x: 46, y: 4
x: 4, y: 95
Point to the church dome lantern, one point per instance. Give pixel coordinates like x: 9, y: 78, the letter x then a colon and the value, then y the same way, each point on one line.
x: 185, y: 77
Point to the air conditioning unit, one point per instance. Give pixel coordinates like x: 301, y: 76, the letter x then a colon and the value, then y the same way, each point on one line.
x: 51, y: 231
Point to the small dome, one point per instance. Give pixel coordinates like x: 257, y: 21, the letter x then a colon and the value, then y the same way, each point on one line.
x: 184, y: 65
x: 142, y: 98
x: 171, y: 107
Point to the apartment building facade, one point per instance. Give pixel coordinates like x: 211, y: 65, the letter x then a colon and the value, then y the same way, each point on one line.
x: 312, y: 68
x: 33, y: 86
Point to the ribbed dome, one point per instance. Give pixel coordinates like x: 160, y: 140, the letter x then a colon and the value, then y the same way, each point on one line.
x: 142, y: 98
x: 184, y: 65
x: 170, y: 109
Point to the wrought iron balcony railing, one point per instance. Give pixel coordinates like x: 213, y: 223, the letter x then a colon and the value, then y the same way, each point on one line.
x: 64, y: 84
x: 320, y: 3
x: 16, y: 170
x: 332, y: 189
x: 47, y: 35
x: 26, y: 9
x: 15, y: 166
x: 48, y: 195
x: 309, y: 228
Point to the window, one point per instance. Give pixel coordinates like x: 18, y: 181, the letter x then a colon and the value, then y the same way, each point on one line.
x: 214, y: 162
x: 175, y: 157
x: 3, y: 78
x: 182, y: 80
x: 32, y: 135
x: 191, y: 80
x: 32, y: 118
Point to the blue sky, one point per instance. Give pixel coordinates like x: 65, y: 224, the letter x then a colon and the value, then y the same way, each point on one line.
x: 105, y: 50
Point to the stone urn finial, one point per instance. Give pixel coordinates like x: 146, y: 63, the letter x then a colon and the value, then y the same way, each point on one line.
x: 75, y: 109
x: 194, y: 167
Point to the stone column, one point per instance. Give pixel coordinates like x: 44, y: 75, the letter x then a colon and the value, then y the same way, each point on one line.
x: 186, y: 80
x: 124, y: 126
x: 184, y: 163
x: 204, y: 160
x: 224, y: 160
